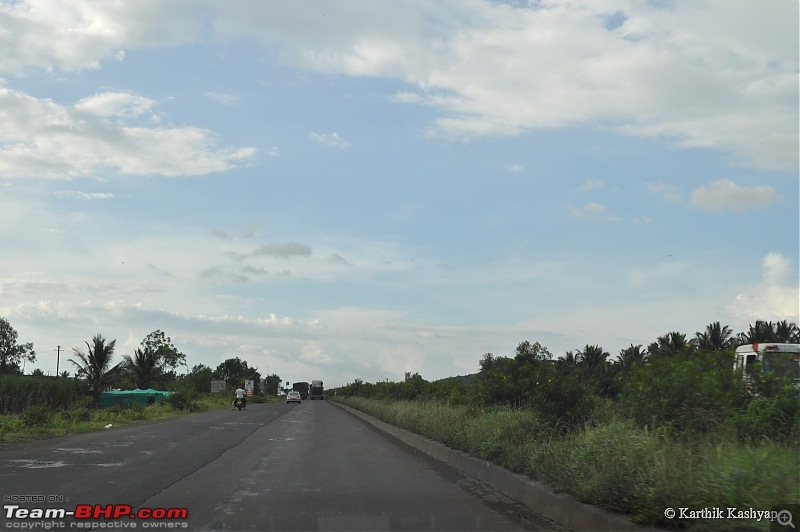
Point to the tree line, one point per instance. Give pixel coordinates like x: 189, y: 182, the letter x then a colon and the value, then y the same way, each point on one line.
x: 678, y: 383
x: 153, y: 364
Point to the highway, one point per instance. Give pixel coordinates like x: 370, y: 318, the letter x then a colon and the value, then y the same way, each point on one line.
x: 275, y: 466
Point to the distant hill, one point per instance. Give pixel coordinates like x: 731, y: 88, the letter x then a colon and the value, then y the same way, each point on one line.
x: 466, y: 380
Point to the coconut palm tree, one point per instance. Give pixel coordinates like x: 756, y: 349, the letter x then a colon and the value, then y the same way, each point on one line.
x: 143, y: 367
x: 629, y: 356
x: 669, y: 345
x: 95, y: 366
x: 787, y: 332
x: 592, y: 356
x: 715, y: 338
x: 567, y: 363
x: 761, y: 332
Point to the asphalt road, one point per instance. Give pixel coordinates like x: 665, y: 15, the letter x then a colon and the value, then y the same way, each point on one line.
x: 273, y: 467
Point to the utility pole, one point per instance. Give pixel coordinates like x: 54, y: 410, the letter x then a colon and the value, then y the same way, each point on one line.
x: 58, y: 359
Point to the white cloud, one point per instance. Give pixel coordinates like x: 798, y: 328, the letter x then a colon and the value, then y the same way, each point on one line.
x: 115, y: 104
x: 330, y: 139
x: 670, y: 72
x: 41, y: 138
x: 725, y: 194
x: 80, y: 34
x: 86, y: 195
x: 659, y: 74
x: 776, y: 297
x: 224, y: 99
x: 591, y: 210
x: 514, y: 168
x: 283, y: 250
x: 592, y: 184
x: 668, y: 192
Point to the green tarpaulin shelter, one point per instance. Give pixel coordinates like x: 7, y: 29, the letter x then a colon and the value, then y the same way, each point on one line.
x: 129, y: 398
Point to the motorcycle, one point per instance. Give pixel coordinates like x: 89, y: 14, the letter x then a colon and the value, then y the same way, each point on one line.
x: 238, y: 403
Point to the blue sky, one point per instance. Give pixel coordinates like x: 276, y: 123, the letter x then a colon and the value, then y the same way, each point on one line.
x: 356, y: 190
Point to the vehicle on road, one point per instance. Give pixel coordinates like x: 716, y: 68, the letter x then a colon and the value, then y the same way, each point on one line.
x: 238, y: 403
x: 293, y: 397
x: 317, y: 391
x: 302, y: 388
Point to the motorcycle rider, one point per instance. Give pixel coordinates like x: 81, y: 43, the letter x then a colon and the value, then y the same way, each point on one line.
x: 239, y: 395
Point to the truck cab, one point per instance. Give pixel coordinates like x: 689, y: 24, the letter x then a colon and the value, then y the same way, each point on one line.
x: 317, y: 391
x: 780, y: 359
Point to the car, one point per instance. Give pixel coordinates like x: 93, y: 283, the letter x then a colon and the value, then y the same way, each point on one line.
x: 293, y: 397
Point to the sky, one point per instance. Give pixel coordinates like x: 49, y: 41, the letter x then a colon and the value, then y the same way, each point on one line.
x: 344, y: 189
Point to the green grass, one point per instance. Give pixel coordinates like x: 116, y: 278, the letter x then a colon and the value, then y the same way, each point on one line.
x: 40, y: 421
x: 613, y: 464
x: 18, y: 392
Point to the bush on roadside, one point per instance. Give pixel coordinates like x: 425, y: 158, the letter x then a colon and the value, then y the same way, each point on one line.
x: 690, y: 393
x: 36, y: 416
x: 183, y: 400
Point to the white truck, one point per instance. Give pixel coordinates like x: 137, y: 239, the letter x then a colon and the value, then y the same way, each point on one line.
x: 782, y: 359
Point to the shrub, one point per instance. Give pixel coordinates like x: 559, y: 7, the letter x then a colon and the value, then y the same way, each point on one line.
x: 137, y: 413
x: 82, y: 414
x: 36, y: 416
x: 76, y: 415
x: 183, y: 400
x: 692, y: 393
x: 776, y: 418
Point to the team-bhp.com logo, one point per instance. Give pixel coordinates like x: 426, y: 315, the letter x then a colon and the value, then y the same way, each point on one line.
x: 95, y: 511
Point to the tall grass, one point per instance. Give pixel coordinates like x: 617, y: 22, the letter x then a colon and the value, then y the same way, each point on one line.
x: 18, y: 392
x: 40, y: 420
x: 613, y: 463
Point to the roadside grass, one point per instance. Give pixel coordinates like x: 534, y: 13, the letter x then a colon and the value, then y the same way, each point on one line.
x: 612, y: 463
x: 40, y: 421
x: 20, y: 391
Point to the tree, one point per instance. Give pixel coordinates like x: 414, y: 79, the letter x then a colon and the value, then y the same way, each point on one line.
x: 594, y: 371
x: 527, y: 352
x: 715, y: 338
x: 11, y: 353
x: 495, y: 380
x: 143, y: 368
x: 761, y: 332
x: 168, y: 358
x: 567, y: 363
x: 592, y: 356
x: 630, y: 356
x: 786, y: 332
x: 272, y: 383
x: 95, y: 366
x: 768, y: 332
x: 234, y: 371
x: 198, y: 380
x: 670, y: 344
